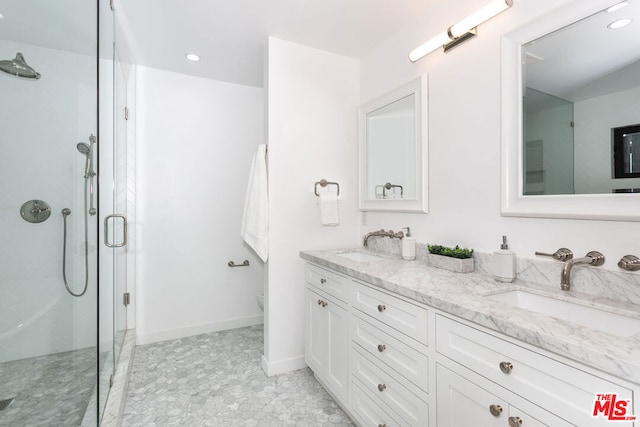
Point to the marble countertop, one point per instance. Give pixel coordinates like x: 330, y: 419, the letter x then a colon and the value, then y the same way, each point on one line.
x: 463, y: 295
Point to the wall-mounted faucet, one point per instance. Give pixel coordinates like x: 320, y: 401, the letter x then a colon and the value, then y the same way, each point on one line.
x: 593, y: 258
x: 382, y: 233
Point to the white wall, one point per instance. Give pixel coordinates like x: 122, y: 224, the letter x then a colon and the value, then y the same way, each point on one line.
x: 312, y: 134
x: 464, y: 141
x: 595, y: 118
x: 41, y: 121
x: 195, y: 140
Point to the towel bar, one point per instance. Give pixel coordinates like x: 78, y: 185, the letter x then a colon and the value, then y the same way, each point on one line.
x: 323, y: 183
x: 233, y: 264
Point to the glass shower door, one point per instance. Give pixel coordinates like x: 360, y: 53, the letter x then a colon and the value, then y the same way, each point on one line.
x: 48, y: 206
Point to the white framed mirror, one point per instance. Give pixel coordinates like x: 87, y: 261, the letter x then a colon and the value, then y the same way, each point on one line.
x: 393, y: 150
x: 570, y: 57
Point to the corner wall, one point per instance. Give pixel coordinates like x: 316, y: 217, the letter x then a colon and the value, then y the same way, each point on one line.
x: 312, y: 134
x: 195, y: 139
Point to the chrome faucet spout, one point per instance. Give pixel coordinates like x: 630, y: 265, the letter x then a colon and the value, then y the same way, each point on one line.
x: 593, y: 258
x: 381, y: 233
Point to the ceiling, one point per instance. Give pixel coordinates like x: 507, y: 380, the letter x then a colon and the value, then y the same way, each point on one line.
x: 230, y: 35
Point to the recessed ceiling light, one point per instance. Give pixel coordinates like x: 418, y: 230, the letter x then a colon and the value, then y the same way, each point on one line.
x: 619, y: 23
x: 192, y: 57
x: 617, y: 6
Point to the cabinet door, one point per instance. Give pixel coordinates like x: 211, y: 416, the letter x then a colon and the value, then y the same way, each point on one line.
x: 337, y: 363
x: 327, y: 342
x: 462, y: 403
x: 316, y: 337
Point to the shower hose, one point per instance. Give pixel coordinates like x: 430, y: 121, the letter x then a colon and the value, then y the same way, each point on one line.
x: 65, y: 213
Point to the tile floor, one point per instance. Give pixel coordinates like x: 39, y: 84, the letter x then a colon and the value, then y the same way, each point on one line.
x: 51, y: 390
x: 217, y: 380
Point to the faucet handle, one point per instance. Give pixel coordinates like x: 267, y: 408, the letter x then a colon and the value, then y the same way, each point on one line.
x: 629, y: 263
x: 562, y: 254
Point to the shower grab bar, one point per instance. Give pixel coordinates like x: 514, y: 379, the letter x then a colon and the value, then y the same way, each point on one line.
x: 233, y: 264
x: 106, y: 231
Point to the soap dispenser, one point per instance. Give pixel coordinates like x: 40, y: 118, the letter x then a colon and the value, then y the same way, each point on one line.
x: 408, y: 245
x: 504, y: 263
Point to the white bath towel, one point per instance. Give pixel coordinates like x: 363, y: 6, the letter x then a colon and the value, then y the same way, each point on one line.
x: 329, y: 214
x: 255, y: 218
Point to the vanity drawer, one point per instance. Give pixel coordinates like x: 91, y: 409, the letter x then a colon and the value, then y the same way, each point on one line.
x: 403, y: 316
x: 381, y: 385
x: 410, y: 362
x: 559, y: 388
x: 328, y: 281
x: 369, y: 411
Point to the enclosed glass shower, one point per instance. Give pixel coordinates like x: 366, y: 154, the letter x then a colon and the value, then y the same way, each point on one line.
x: 60, y: 180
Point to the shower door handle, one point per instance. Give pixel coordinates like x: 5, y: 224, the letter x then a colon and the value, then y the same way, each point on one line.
x: 106, y: 231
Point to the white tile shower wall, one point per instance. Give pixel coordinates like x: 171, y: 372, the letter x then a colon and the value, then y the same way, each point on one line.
x: 195, y: 140
x: 39, y: 131
x: 312, y: 108
x: 464, y: 142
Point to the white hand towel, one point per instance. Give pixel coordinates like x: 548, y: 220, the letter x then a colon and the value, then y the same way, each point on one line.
x: 255, y: 218
x: 329, y: 214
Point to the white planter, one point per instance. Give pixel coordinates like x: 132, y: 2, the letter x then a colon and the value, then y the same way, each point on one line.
x: 448, y: 263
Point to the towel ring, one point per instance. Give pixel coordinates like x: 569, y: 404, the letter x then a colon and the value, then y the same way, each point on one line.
x: 323, y: 183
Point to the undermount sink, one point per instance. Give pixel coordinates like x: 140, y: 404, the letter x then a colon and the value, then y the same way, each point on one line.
x: 360, y: 256
x: 592, y: 317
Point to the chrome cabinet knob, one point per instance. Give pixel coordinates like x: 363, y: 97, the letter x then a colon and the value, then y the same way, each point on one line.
x: 382, y: 425
x: 382, y: 387
x: 495, y: 410
x: 506, y: 367
x: 515, y: 421
x: 323, y: 281
x: 381, y: 307
x: 319, y: 302
x: 381, y: 347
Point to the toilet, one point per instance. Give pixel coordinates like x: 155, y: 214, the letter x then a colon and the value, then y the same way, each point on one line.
x: 260, y: 300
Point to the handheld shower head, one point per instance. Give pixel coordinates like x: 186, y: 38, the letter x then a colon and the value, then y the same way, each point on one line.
x: 83, y: 148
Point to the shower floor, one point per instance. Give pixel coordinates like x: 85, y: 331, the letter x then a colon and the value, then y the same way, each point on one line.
x: 51, y: 390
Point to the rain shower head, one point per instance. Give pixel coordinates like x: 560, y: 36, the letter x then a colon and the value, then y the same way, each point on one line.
x: 83, y: 148
x: 18, y: 67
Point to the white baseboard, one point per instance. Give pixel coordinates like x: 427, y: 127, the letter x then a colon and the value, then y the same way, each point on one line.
x: 171, y: 334
x: 282, y: 366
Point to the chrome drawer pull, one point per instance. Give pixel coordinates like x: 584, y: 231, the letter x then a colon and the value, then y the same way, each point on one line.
x: 381, y: 347
x: 319, y: 302
x: 382, y: 387
x: 382, y: 425
x: 515, y: 421
x: 506, y: 367
x: 381, y: 307
x: 323, y: 281
x: 495, y: 410
x: 324, y: 303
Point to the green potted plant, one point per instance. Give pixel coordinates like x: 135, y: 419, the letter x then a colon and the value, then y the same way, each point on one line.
x: 453, y: 259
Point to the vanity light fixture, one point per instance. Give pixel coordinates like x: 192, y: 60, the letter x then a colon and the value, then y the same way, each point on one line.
x: 462, y: 31
x: 192, y: 57
x: 619, y: 23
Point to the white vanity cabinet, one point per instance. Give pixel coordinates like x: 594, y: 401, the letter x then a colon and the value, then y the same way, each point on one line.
x: 553, y: 391
x: 392, y: 361
x: 389, y: 359
x: 327, y: 333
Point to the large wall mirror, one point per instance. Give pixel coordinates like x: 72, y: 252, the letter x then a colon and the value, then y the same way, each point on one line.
x: 393, y: 151
x: 571, y: 113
